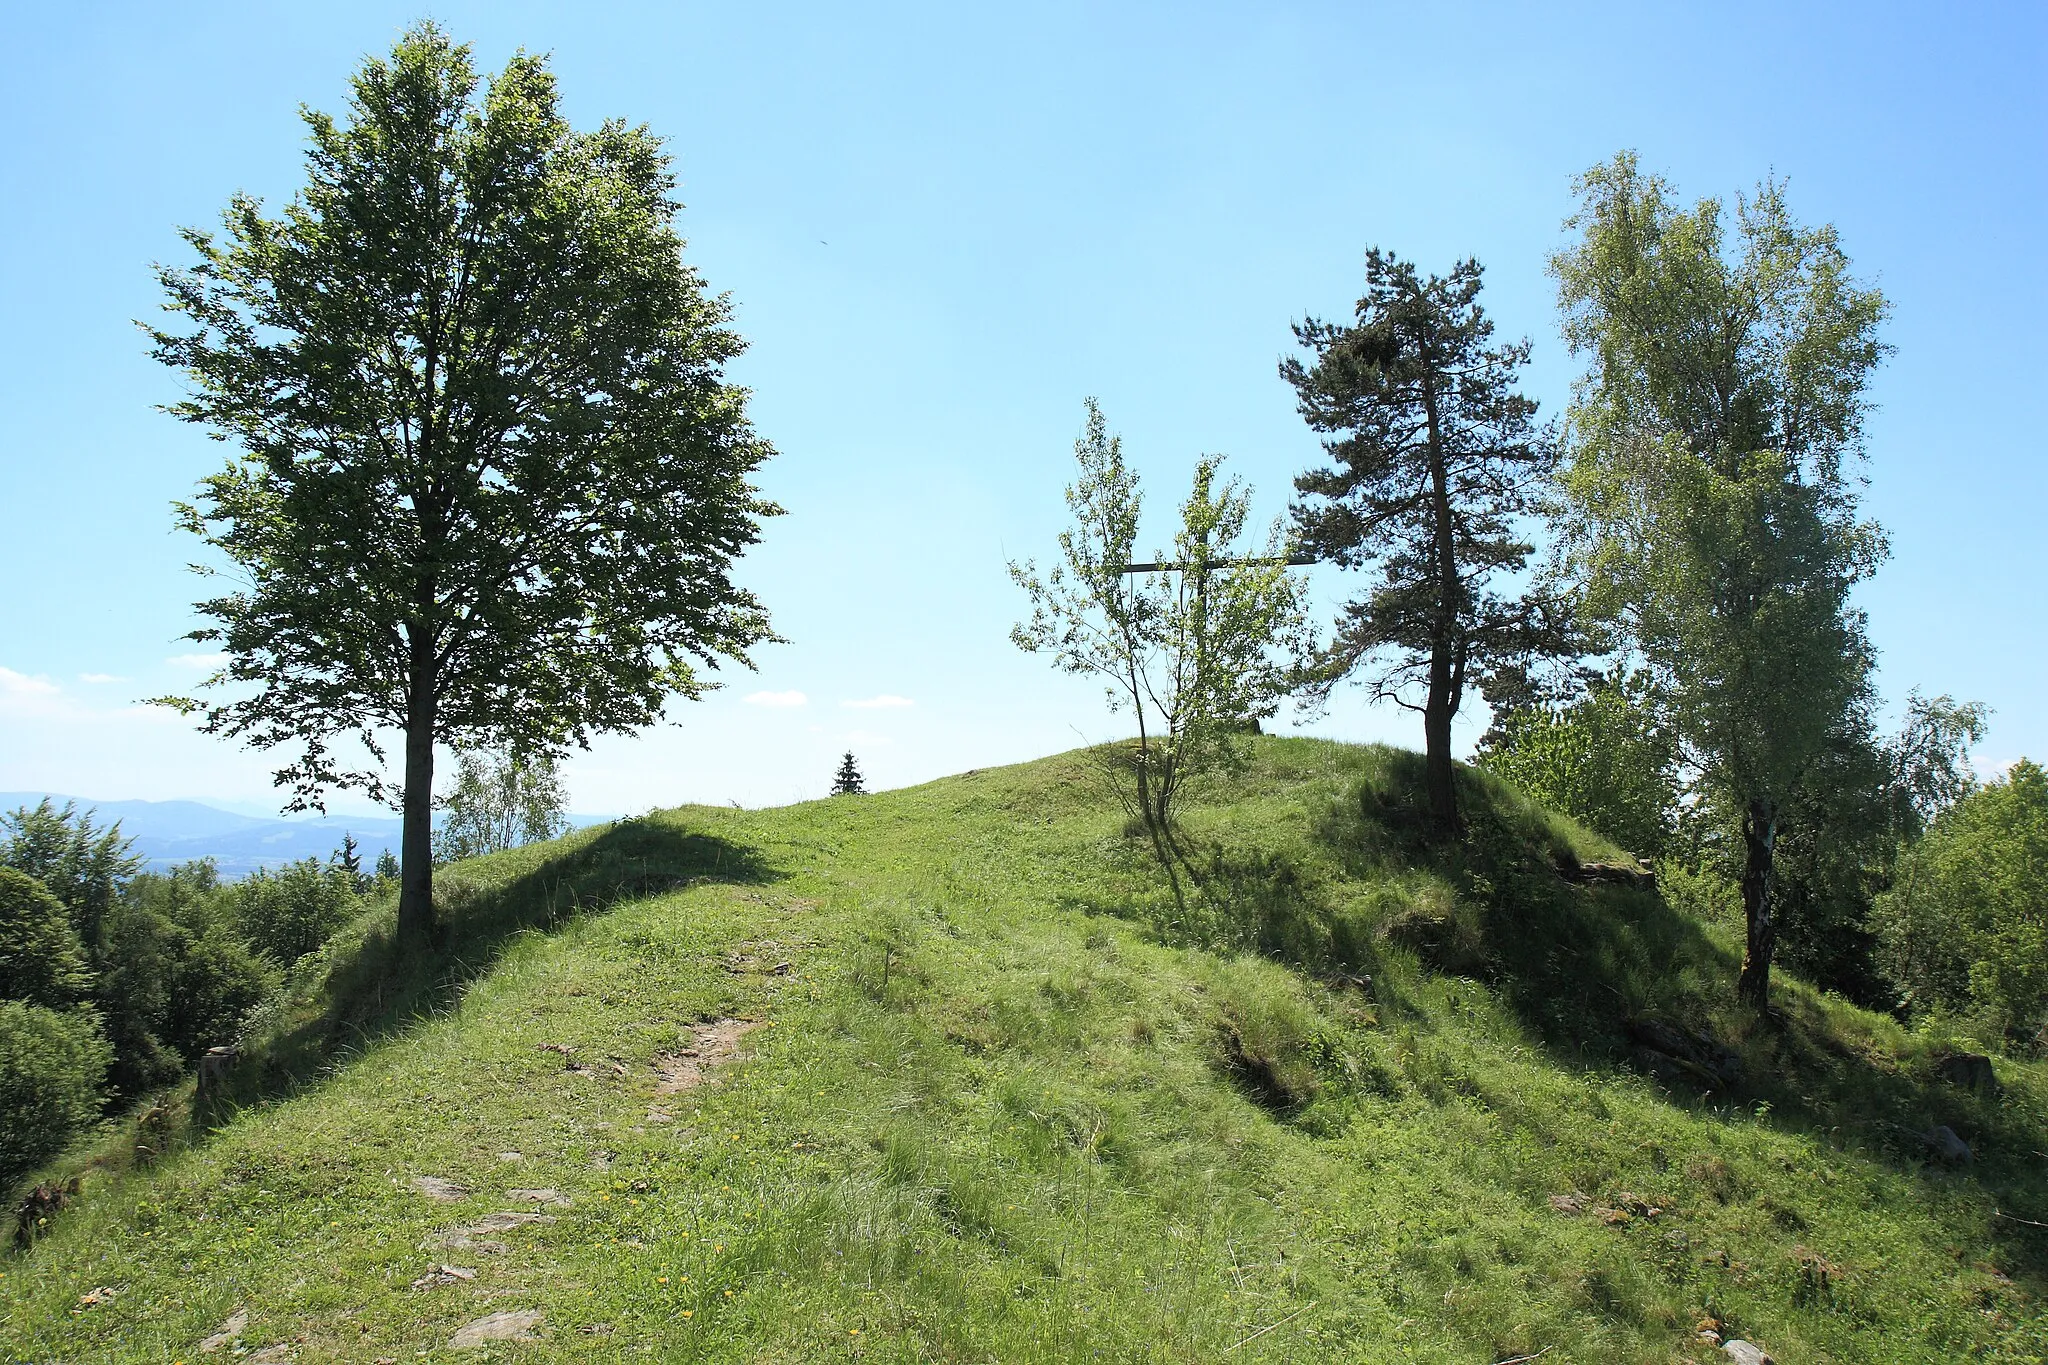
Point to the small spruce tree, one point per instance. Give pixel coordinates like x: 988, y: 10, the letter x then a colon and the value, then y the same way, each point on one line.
x: 847, y: 781
x: 348, y: 862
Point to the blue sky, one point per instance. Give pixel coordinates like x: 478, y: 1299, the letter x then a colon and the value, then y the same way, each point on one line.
x: 942, y: 227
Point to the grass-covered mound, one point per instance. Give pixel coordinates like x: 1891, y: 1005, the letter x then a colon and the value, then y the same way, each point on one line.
x: 1003, y: 1102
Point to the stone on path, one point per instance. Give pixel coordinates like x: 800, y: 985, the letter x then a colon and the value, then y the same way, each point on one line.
x: 553, y: 1198
x: 475, y: 1236
x: 229, y: 1330
x: 517, y: 1325
x: 440, y: 1189
x: 438, y: 1275
x: 1745, y: 1353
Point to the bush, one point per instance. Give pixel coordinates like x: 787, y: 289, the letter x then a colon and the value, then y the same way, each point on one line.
x: 214, y: 984
x: 1606, y: 760
x: 288, y: 913
x: 1964, y: 929
x: 41, y: 958
x: 51, y: 1066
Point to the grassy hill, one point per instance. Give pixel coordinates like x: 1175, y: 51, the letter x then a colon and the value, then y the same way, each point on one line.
x: 940, y: 1074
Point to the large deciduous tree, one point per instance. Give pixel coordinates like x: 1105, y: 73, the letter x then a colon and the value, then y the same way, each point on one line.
x: 1711, y: 509
x: 1437, y: 460
x: 490, y: 479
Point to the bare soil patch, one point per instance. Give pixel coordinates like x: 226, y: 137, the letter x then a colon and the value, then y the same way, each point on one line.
x: 712, y: 1045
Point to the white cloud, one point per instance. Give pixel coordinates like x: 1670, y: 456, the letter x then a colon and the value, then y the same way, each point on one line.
x: 196, y: 660
x: 100, y: 678
x: 790, y: 698
x: 22, y: 685
x: 1988, y: 769
x: 887, y: 701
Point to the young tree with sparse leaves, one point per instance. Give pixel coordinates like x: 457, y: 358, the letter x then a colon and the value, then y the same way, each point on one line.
x: 490, y: 479
x: 1710, y: 512
x: 1437, y: 463
x: 1198, y: 651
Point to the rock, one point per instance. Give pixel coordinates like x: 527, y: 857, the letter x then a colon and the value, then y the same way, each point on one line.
x: 213, y: 1071
x: 269, y: 1355
x: 1697, y: 1056
x: 1568, y: 1203
x: 517, y: 1325
x: 44, y: 1202
x: 438, y: 1275
x: 475, y: 1236
x: 1969, y: 1071
x: 1744, y: 1353
x: 440, y: 1189
x: 229, y: 1330
x: 1946, y: 1146
x: 1637, y: 1205
x: 505, y: 1222
x: 550, y: 1197
x: 1607, y: 874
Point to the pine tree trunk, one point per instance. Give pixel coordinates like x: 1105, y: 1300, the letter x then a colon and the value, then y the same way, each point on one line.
x: 416, y: 839
x: 1440, y: 778
x: 1759, y: 845
x: 1444, y: 685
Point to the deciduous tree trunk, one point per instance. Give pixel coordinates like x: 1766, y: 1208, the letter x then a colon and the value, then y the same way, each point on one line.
x: 1759, y: 844
x: 416, y: 838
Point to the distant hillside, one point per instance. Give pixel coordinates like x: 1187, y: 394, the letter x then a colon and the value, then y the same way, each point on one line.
x: 171, y: 832
x: 942, y: 1074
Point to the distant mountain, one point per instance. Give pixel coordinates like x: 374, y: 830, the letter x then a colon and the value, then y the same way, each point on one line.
x: 171, y: 832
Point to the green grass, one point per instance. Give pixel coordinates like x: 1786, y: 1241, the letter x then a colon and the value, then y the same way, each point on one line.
x: 1007, y: 1104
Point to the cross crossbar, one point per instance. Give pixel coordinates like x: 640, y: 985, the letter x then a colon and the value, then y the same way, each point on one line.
x: 1166, y: 566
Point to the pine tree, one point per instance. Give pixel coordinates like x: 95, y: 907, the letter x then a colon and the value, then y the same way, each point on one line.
x: 847, y: 781
x: 348, y: 859
x: 1438, y: 464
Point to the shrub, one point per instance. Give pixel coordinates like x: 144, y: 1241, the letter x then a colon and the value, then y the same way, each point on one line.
x: 288, y: 913
x: 51, y: 1065
x: 1964, y: 928
x: 41, y: 958
x: 1606, y: 760
x: 214, y: 985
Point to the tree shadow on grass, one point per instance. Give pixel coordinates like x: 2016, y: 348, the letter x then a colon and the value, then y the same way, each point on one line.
x: 366, y: 987
x: 1508, y: 904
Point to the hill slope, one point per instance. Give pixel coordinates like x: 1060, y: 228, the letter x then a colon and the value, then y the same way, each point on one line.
x: 941, y: 1074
